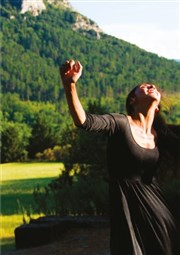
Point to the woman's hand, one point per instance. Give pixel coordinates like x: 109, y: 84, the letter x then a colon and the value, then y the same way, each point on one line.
x: 70, y: 72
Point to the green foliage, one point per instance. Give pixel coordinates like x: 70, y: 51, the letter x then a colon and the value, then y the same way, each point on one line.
x: 82, y: 189
x: 57, y: 153
x: 35, y: 116
x: 18, y: 181
x: 14, y: 142
x: 44, y: 120
x: 33, y: 48
x: 85, y: 195
x: 43, y: 134
x: 171, y: 108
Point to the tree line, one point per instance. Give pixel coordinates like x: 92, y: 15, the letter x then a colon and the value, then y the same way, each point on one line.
x: 33, y: 108
x: 34, y: 47
x: 34, y: 112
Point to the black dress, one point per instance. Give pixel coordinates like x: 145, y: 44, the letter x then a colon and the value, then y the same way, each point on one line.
x: 141, y: 223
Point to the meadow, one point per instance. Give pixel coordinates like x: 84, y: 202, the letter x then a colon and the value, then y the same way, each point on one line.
x: 18, y: 181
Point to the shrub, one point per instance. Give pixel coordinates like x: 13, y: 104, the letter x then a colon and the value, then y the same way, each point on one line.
x: 75, y: 194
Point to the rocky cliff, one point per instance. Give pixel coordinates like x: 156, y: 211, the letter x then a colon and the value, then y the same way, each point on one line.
x: 82, y: 24
x: 37, y: 6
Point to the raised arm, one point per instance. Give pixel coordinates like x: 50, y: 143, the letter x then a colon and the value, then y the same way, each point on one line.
x: 70, y: 73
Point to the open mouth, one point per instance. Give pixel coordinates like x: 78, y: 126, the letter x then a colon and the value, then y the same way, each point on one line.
x: 151, y: 91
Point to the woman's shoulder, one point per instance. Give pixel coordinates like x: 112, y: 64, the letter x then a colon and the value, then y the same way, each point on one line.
x: 119, y: 116
x: 120, y: 120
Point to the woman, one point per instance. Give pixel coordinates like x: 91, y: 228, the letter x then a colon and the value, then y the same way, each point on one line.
x: 141, y: 223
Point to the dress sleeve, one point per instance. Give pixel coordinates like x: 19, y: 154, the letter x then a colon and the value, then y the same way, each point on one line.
x: 105, y: 123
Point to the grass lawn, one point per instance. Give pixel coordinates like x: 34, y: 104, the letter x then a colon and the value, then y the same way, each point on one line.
x: 18, y: 181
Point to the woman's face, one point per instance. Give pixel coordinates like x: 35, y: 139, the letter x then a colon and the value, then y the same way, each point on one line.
x: 149, y: 91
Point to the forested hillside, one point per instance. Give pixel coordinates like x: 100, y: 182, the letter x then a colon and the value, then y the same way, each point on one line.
x: 34, y: 111
x: 33, y: 48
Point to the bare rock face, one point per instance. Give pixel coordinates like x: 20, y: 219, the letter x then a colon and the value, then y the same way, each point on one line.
x: 61, y: 3
x: 85, y: 25
x: 33, y: 6
x: 82, y: 24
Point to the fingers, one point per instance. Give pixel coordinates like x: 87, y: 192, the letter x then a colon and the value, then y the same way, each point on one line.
x: 78, y: 66
x: 70, y: 65
x: 65, y: 67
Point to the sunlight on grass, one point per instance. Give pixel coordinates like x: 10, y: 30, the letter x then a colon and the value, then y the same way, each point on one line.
x: 23, y: 186
x: 10, y: 222
x: 8, y: 225
x: 18, y: 181
x: 19, y: 171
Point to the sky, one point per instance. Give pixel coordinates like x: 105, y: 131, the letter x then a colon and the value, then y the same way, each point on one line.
x: 153, y: 25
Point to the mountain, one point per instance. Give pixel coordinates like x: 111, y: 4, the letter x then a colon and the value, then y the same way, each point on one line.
x: 40, y: 35
x: 37, y: 37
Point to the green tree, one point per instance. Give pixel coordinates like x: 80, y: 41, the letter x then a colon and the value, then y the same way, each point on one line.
x: 14, y: 141
x: 44, y: 134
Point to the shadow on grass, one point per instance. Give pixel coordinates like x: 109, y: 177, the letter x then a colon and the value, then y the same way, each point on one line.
x: 17, y: 204
x: 16, y: 186
x: 17, y: 196
x: 7, y: 244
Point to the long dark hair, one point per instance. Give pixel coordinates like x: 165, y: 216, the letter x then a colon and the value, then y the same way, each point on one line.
x: 160, y: 125
x: 129, y: 104
x: 168, y: 135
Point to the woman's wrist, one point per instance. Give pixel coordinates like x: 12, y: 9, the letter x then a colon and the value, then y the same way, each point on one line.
x: 68, y: 86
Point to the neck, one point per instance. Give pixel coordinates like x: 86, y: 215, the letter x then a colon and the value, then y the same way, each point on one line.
x: 144, y: 119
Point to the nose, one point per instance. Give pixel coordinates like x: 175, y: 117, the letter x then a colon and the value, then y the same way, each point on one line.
x: 152, y: 86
